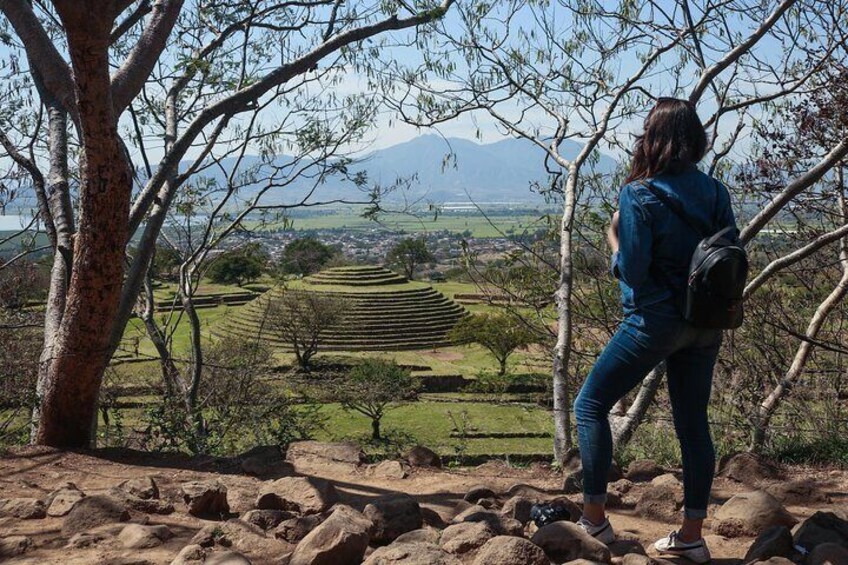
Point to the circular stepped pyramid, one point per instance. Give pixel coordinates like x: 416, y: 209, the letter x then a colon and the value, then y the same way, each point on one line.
x: 384, y: 312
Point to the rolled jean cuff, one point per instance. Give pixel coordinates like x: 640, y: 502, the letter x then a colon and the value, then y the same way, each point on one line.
x: 694, y: 513
x: 595, y: 498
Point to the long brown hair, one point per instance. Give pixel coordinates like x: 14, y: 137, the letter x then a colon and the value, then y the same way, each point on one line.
x: 673, y: 139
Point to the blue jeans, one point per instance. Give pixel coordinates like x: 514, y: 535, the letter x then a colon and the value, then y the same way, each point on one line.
x: 645, y: 338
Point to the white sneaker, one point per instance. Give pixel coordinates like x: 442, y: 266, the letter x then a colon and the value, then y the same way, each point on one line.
x: 603, y: 532
x: 696, y: 551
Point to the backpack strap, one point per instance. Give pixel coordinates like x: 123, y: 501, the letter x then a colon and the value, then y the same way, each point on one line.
x: 675, y: 207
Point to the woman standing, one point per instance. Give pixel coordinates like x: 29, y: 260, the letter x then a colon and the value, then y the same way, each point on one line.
x: 652, y: 247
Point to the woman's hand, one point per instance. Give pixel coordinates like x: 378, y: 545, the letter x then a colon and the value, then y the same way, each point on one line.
x: 612, y: 233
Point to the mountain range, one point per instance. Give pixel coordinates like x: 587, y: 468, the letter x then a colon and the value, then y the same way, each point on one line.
x: 444, y: 170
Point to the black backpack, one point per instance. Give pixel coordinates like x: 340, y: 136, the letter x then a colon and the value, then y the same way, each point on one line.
x: 717, y: 273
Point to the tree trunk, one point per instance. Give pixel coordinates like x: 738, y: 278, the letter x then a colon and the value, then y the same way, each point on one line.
x: 562, y: 349
x: 375, y: 430
x: 502, y: 370
x: 766, y: 410
x: 625, y: 425
x: 73, y: 375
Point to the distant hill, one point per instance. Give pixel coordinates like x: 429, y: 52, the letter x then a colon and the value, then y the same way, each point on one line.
x: 495, y: 172
x: 444, y: 170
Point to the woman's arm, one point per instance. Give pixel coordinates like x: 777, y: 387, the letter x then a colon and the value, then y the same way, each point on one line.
x: 633, y: 240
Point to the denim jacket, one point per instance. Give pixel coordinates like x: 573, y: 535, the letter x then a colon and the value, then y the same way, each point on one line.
x: 652, y: 262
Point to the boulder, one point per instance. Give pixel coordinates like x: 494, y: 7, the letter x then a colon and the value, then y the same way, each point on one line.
x: 189, y: 555
x: 421, y: 456
x: 390, y: 470
x: 667, y: 479
x: 660, y: 502
x: 14, y: 546
x: 508, y: 550
x: 621, y: 486
x: 500, y: 524
x: 23, y: 508
x: 802, y: 492
x: 573, y: 482
x: 775, y: 541
x: 305, y: 495
x: 295, y: 529
x: 422, y: 535
x: 828, y: 554
x: 266, y: 519
x: 747, y: 468
x: 342, y: 538
x: 144, y: 488
x: 643, y: 470
x: 751, y: 513
x: 478, y: 492
x: 205, y: 498
x: 416, y: 553
x: 393, y: 515
x: 236, y: 535
x: 93, y: 511
x: 465, y: 537
x: 820, y: 528
x: 60, y: 501
x: 622, y: 546
x: 564, y: 541
x: 518, y: 508
x: 227, y: 558
x: 774, y: 561
x: 341, y: 452
x: 636, y: 559
x: 137, y: 536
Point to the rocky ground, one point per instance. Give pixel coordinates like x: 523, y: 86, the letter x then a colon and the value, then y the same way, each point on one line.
x: 320, y: 504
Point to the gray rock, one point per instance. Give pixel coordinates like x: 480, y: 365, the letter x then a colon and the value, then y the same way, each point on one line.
x: 828, y: 554
x: 500, y: 524
x: 227, y: 558
x: 754, y: 512
x: 508, y: 550
x: 822, y: 527
x: 390, y: 470
x: 416, y: 553
x: 266, y: 519
x: 23, y: 508
x: 341, y: 538
x: 393, y: 515
x: 144, y: 488
x: 60, y: 501
x: 189, y: 555
x: 93, y: 511
x: 295, y: 529
x: 422, y: 535
x: 137, y: 536
x: 564, y: 541
x: 775, y: 541
x: 518, y: 508
x: 747, y: 468
x: 467, y: 536
x: 14, y: 546
x: 305, y: 495
x: 205, y: 498
x: 421, y: 456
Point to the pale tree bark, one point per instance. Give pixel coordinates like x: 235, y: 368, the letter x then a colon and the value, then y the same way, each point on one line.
x: 625, y: 422
x: 767, y: 409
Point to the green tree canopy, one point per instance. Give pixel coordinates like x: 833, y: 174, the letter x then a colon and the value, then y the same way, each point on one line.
x: 239, y: 266
x: 408, y: 255
x: 501, y: 334
x: 375, y: 386
x: 305, y: 256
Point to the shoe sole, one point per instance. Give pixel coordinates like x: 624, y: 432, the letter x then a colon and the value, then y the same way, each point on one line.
x: 682, y: 553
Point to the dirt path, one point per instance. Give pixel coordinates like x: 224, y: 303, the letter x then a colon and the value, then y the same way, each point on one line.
x: 33, y: 472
